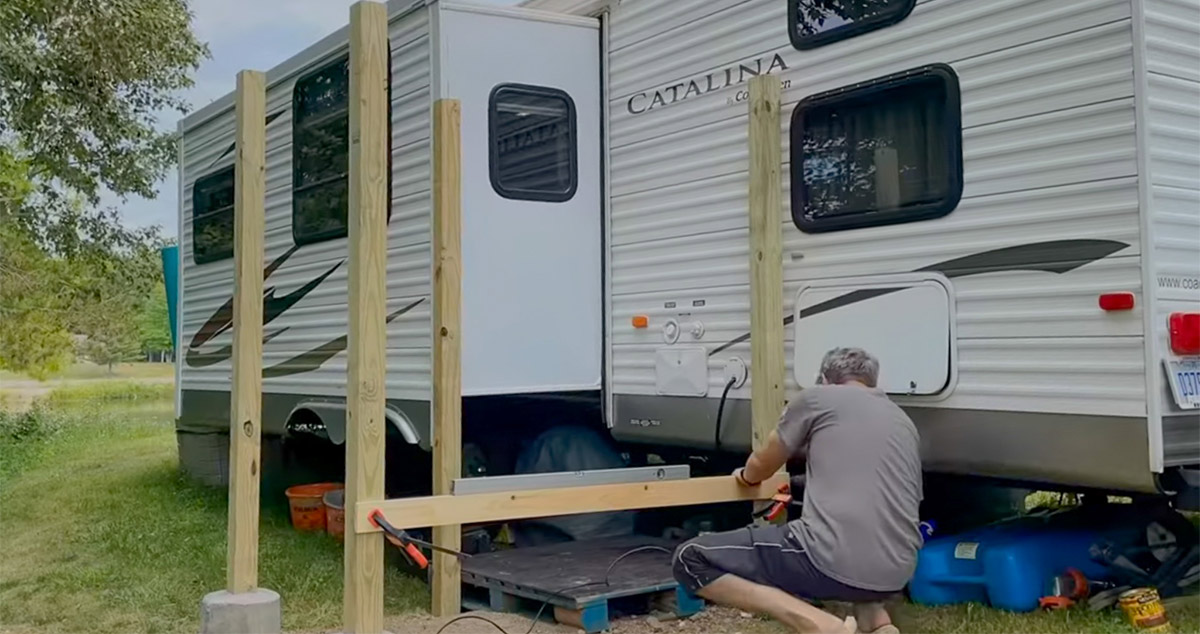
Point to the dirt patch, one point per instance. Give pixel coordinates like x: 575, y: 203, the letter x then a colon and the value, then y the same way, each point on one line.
x: 710, y: 621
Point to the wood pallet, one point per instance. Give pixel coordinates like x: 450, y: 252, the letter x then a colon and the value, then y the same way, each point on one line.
x: 571, y: 578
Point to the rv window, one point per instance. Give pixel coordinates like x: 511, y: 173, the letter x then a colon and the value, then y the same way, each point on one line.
x: 212, y: 217
x: 532, y: 140
x: 813, y: 23
x: 320, y: 154
x: 880, y: 152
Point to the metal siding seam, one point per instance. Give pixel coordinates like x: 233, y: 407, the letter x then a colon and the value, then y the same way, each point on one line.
x: 1153, y: 376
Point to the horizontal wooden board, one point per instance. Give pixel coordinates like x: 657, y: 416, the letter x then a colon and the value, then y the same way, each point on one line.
x: 441, y: 510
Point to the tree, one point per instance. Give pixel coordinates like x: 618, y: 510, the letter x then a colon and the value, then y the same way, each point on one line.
x: 82, y: 84
x: 153, y: 323
x: 33, y: 336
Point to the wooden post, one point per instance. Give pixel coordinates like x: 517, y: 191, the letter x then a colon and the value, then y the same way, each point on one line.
x: 365, y: 397
x: 245, y: 412
x: 767, y: 397
x: 447, y: 344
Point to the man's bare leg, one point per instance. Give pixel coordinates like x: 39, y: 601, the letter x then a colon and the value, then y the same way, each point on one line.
x: 734, y: 591
x: 871, y: 616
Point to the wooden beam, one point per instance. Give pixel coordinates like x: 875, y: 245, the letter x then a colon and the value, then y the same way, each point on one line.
x: 767, y: 398
x: 447, y: 350
x: 365, y: 387
x: 444, y: 510
x: 245, y: 412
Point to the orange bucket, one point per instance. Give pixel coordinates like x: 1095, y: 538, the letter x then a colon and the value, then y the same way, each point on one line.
x: 307, y: 505
x: 335, y: 513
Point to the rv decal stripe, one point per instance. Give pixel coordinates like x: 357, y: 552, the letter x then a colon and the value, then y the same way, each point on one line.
x: 229, y: 150
x: 1055, y: 256
x: 197, y: 359
x: 273, y: 307
x: 313, y: 359
x: 223, y: 317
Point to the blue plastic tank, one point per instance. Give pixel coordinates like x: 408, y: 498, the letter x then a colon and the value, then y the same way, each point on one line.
x: 1007, y: 566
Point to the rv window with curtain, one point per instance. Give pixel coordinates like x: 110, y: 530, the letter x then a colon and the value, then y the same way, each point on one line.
x: 320, y: 154
x: 880, y: 152
x: 212, y: 217
x: 531, y: 133
x: 813, y: 23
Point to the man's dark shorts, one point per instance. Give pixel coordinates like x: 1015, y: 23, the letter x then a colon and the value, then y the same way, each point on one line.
x: 767, y: 555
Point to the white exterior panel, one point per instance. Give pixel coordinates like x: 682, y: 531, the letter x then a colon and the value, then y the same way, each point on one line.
x: 532, y: 293
x: 1049, y: 154
x: 1170, y: 141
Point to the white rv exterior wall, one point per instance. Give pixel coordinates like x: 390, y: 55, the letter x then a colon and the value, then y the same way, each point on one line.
x: 1049, y: 153
x: 320, y: 318
x: 1171, y: 33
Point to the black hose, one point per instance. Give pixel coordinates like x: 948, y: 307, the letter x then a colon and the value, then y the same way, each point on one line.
x: 720, y: 412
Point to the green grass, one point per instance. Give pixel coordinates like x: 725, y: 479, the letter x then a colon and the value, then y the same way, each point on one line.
x: 86, y: 371
x: 102, y: 534
x: 91, y: 393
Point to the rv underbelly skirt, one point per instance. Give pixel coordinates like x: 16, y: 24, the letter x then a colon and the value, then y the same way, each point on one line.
x: 1105, y: 452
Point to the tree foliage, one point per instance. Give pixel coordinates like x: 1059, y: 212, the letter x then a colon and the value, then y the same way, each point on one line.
x: 82, y: 87
x: 82, y: 84
x: 153, y: 321
x: 816, y: 16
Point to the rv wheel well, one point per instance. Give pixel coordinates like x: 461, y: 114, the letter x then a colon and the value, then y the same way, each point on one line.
x: 305, y: 421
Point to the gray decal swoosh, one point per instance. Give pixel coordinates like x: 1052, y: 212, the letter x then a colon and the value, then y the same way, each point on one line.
x: 232, y: 146
x: 198, y: 359
x: 313, y: 359
x: 1055, y: 256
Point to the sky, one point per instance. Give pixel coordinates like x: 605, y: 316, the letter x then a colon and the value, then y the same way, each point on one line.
x: 254, y: 34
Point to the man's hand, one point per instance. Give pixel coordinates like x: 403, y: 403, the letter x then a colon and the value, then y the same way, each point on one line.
x: 740, y: 475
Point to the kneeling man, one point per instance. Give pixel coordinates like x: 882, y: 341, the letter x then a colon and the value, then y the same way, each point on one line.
x: 857, y: 537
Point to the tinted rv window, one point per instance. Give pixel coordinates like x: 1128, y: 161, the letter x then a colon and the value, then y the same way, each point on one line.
x: 880, y: 152
x: 813, y: 23
x: 320, y: 154
x: 532, y: 139
x: 212, y: 217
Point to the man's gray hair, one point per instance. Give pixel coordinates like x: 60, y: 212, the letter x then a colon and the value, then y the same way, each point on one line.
x: 850, y: 364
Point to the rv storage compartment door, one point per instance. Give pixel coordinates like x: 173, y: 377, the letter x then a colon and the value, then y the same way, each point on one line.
x: 905, y: 321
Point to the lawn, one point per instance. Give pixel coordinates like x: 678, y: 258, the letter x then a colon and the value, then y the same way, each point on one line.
x: 102, y: 534
x: 84, y: 371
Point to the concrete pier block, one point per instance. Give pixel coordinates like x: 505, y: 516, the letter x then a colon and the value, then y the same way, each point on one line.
x: 254, y: 612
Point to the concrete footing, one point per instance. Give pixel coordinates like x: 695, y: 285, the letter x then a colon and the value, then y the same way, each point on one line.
x: 254, y: 612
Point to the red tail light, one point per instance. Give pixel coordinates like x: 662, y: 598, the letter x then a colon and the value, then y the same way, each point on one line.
x: 1116, y: 301
x: 1185, y: 333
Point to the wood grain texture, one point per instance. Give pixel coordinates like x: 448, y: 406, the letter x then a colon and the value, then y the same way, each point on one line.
x: 444, y: 510
x: 766, y: 259
x: 447, y: 351
x: 365, y: 394
x: 245, y: 413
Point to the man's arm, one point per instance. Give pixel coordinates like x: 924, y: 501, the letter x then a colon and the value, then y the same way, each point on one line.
x: 765, y: 462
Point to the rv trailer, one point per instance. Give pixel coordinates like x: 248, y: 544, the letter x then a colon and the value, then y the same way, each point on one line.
x: 998, y: 198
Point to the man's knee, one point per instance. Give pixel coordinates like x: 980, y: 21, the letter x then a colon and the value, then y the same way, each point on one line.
x: 701, y: 560
x: 686, y: 562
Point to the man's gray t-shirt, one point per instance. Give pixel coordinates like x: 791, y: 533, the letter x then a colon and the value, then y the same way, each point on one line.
x: 862, y: 487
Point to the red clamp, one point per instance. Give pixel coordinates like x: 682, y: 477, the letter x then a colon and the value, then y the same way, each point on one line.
x: 779, y: 503
x: 407, y: 543
x: 400, y: 538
